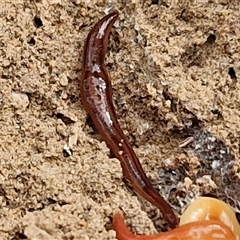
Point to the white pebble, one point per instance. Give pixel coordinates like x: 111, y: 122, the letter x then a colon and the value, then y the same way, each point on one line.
x: 20, y: 100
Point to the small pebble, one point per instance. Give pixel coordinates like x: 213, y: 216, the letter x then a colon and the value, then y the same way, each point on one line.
x: 20, y: 100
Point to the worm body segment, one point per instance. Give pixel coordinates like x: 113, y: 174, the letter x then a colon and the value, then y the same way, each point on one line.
x: 205, y: 218
x: 96, y: 94
x: 199, y: 230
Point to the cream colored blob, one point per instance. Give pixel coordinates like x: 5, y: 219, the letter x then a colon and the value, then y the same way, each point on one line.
x: 206, y: 208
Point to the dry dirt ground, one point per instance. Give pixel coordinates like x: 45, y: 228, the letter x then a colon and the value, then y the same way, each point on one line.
x: 175, y: 68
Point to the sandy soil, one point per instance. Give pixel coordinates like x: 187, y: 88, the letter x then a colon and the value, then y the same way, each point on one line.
x: 175, y: 69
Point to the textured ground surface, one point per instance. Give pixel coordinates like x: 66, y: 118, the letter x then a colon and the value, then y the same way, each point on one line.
x: 175, y: 71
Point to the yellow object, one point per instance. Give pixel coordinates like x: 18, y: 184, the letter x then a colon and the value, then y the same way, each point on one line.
x: 206, y: 208
x: 205, y: 219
